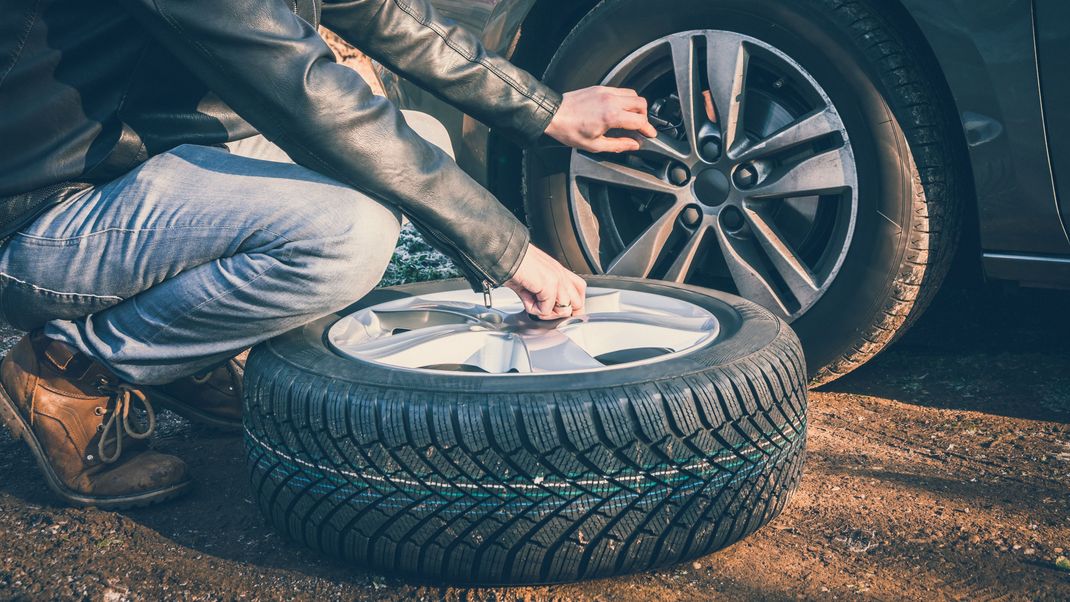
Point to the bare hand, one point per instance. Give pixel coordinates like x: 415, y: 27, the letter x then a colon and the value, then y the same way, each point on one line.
x: 586, y: 115
x: 547, y: 289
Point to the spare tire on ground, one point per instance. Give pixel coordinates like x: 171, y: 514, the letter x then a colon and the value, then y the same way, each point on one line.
x: 418, y: 432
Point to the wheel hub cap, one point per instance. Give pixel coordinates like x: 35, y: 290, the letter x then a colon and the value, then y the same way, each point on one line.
x: 711, y: 187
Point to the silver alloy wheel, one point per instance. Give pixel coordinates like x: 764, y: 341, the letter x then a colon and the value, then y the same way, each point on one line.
x: 773, y: 179
x: 454, y: 331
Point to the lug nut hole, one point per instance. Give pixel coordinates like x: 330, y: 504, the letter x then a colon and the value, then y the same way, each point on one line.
x: 679, y: 174
x: 691, y: 216
x: 732, y: 219
x: 745, y: 176
x: 710, y: 149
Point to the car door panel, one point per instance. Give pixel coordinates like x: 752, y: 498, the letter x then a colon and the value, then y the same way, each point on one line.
x: 1053, y: 54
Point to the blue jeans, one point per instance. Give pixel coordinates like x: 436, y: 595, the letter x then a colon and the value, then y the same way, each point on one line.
x: 192, y: 257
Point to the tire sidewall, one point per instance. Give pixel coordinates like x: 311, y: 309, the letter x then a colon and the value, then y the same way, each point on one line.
x: 806, y: 32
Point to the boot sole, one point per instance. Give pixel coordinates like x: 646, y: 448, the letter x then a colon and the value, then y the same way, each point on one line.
x: 193, y: 414
x: 18, y: 426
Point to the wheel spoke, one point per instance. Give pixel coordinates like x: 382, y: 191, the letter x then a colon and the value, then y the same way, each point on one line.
x: 663, y: 146
x: 681, y: 266
x: 685, y: 66
x: 822, y: 173
x: 603, y: 301
x: 431, y: 345
x: 795, y: 274
x: 424, y: 315
x: 641, y: 255
x: 606, y: 333
x: 661, y: 323
x: 611, y: 173
x: 727, y: 60
x: 744, y: 264
x: 554, y: 351
x: 808, y: 128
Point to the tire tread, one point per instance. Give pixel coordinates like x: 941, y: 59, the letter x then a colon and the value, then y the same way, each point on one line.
x: 359, y: 471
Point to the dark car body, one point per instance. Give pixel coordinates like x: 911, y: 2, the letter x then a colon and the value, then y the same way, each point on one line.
x: 1006, y: 65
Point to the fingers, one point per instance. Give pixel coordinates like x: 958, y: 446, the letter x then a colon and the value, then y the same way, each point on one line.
x: 629, y: 112
x: 636, y: 122
x: 525, y: 296
x: 570, y: 299
x: 564, y: 298
x: 577, y: 294
x: 622, y: 92
x: 707, y: 102
x: 544, y: 285
x: 613, y: 145
x: 544, y: 302
x: 632, y: 104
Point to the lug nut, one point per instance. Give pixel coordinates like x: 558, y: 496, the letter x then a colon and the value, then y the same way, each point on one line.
x: 679, y: 175
x: 732, y: 218
x: 711, y: 149
x: 690, y: 216
x: 746, y: 176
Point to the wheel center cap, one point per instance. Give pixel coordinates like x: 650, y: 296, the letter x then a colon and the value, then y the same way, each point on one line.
x: 711, y: 187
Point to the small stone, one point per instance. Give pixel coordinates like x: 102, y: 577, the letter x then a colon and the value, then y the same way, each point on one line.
x: 1030, y: 551
x: 975, y: 539
x: 1063, y: 563
x: 1058, y: 550
x: 696, y: 565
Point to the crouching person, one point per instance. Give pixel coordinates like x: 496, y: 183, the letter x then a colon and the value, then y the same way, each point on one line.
x: 150, y: 232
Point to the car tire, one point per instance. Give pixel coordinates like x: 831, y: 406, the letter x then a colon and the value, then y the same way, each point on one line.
x: 902, y: 130
x: 528, y: 478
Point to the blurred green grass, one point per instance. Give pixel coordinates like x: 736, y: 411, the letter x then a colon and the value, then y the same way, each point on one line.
x: 416, y: 261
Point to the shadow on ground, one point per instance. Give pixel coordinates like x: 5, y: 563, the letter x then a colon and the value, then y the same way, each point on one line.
x: 993, y: 349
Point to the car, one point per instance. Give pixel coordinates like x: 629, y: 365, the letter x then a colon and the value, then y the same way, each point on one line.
x: 820, y: 157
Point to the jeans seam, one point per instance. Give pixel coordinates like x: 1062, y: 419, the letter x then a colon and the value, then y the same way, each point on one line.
x: 55, y: 292
x: 142, y: 230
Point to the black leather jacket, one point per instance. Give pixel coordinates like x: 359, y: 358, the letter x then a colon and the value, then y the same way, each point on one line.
x: 91, y: 88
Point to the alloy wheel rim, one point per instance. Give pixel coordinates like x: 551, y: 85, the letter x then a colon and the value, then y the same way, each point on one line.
x: 455, y: 332
x: 719, y: 191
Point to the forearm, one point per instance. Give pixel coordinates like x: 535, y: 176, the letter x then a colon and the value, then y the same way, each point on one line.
x: 409, y: 37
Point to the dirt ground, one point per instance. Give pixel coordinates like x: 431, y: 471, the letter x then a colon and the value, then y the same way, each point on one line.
x: 939, y: 471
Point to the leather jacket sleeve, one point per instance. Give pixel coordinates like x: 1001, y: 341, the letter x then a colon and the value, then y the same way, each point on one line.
x: 447, y: 60
x: 276, y: 72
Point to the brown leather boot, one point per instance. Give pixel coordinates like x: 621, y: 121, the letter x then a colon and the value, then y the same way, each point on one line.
x: 75, y: 416
x: 213, y: 398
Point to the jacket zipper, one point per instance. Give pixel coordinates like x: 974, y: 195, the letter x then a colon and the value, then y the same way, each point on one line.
x: 464, y: 261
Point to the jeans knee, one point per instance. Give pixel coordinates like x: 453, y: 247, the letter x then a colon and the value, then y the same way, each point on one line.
x: 354, y: 253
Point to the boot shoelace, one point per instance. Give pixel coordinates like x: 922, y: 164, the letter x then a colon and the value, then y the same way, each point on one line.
x: 117, y: 425
x: 231, y: 367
